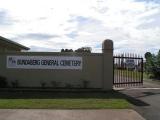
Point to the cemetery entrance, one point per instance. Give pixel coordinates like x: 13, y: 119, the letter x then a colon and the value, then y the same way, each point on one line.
x: 128, y: 70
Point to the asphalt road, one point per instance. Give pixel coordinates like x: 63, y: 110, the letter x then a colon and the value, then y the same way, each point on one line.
x: 146, y: 99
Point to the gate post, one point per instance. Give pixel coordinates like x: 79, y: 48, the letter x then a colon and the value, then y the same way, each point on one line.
x: 107, y: 49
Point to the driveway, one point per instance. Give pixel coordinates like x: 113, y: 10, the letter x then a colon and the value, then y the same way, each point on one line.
x: 146, y: 99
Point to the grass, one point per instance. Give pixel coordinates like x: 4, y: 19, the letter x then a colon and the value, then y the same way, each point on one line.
x: 63, y: 104
x: 112, y: 100
x: 147, y: 78
x: 128, y: 73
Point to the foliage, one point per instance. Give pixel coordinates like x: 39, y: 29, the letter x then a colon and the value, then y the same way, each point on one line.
x: 79, y: 50
x: 84, y: 49
x: 152, y: 65
x: 66, y: 50
x: 3, y: 82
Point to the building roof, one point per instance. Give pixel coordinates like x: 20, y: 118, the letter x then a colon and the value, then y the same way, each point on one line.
x: 22, y: 47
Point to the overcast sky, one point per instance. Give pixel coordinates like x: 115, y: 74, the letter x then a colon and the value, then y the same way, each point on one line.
x: 49, y: 25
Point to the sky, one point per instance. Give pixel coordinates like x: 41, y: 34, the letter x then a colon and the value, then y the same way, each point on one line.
x: 50, y: 25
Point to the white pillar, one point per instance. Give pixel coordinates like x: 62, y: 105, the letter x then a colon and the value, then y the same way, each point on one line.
x: 107, y: 49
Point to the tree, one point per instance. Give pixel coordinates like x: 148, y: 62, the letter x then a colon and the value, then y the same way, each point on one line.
x: 148, y: 55
x: 84, y: 49
x: 152, y: 65
x: 158, y: 58
x: 66, y: 50
x: 149, y: 62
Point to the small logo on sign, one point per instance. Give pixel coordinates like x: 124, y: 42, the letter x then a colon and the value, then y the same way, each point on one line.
x: 11, y: 61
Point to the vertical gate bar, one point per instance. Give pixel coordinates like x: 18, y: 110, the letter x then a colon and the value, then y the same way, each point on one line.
x: 142, y: 71
x: 115, y: 79
x: 124, y: 69
x: 136, y: 67
x: 127, y: 69
x: 119, y: 69
x: 133, y: 70
x: 126, y: 55
x: 113, y: 71
x: 132, y: 73
x: 139, y: 61
x: 139, y: 72
x: 116, y: 72
x: 129, y: 73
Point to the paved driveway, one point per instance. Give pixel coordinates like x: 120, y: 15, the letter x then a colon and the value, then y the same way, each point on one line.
x: 146, y: 100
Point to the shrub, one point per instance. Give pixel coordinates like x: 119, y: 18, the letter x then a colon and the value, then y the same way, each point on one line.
x: 3, y: 82
x: 85, y: 83
x: 43, y: 84
x: 15, y: 83
x: 55, y: 84
x: 68, y: 85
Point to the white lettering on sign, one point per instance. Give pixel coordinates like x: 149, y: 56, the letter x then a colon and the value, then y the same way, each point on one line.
x: 44, y: 62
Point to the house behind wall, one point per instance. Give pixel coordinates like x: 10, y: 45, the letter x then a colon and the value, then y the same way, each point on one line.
x: 8, y: 45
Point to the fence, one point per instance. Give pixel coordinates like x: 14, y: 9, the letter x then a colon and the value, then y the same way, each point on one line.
x: 128, y: 70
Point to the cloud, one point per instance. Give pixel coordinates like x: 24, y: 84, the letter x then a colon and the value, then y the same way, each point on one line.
x: 155, y: 1
x: 42, y: 49
x: 133, y: 25
x: 4, y: 18
x: 36, y: 36
x: 72, y: 34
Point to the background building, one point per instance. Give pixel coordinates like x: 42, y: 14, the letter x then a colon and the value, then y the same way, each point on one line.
x: 8, y: 45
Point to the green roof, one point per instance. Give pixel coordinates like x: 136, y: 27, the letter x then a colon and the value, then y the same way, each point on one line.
x: 13, y: 43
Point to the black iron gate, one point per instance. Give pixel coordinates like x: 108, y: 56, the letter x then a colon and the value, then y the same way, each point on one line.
x: 128, y: 70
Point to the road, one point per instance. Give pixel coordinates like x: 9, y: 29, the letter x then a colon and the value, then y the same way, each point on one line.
x: 146, y: 99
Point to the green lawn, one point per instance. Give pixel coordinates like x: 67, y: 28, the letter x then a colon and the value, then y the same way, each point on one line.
x: 51, y: 100
x: 64, y: 103
x: 128, y: 73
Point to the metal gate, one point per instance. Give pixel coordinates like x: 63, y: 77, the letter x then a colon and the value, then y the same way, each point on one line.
x: 128, y: 70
